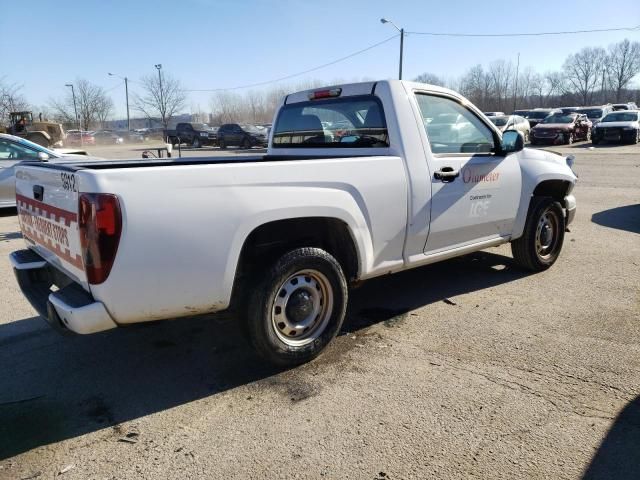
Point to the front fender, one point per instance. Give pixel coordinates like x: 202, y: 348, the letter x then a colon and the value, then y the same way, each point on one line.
x: 538, y: 166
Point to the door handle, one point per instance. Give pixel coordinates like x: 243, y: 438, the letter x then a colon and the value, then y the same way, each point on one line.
x: 446, y: 174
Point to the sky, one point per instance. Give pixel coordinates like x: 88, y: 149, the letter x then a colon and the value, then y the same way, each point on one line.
x: 209, y: 44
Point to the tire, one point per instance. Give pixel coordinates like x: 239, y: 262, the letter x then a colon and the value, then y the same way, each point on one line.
x: 594, y: 141
x: 222, y: 144
x: 635, y: 140
x: 298, y: 308
x: 569, y: 139
x: 534, y: 142
x: 541, y: 242
x: 196, y: 142
x: 246, y: 144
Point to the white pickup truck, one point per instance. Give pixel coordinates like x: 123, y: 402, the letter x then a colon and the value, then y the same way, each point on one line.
x: 358, y: 181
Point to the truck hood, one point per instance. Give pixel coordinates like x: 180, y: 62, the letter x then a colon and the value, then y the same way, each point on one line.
x: 544, y: 156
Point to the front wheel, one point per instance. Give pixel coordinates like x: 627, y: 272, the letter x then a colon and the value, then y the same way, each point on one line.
x: 196, y: 143
x: 222, y: 144
x: 246, y: 144
x: 539, y: 246
x: 569, y: 139
x: 298, y: 308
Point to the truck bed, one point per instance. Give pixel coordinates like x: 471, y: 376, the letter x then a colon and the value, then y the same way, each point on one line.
x: 138, y: 163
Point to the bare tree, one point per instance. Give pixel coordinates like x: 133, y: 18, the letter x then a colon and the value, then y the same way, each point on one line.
x: 583, y: 71
x: 11, y: 99
x: 501, y: 74
x: 430, y: 78
x: 624, y: 64
x: 160, y: 98
x: 93, y: 104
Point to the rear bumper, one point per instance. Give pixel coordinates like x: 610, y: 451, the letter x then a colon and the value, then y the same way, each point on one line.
x: 70, y: 308
x: 570, y: 206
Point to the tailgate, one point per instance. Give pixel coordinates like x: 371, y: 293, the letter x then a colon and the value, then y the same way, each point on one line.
x: 47, y: 202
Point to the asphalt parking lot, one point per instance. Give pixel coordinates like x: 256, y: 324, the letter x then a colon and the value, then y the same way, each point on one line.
x: 466, y: 368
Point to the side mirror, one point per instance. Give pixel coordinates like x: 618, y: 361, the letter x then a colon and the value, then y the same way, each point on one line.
x: 43, y: 157
x: 512, y: 141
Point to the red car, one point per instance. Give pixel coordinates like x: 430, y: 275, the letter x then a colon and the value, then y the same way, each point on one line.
x: 73, y: 138
x: 561, y: 128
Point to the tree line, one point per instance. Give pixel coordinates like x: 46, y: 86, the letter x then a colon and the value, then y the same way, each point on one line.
x: 590, y: 76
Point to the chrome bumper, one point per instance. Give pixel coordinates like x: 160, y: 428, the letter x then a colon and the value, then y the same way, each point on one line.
x: 570, y: 207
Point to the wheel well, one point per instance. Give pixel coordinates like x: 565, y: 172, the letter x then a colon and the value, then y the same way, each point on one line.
x: 556, y: 189
x: 270, y: 241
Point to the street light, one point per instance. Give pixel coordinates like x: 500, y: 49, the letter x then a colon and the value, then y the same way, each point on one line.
x: 401, y: 30
x: 75, y: 108
x: 159, y: 67
x: 126, y: 91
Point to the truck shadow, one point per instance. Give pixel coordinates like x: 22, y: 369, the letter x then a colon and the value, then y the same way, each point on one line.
x: 623, y: 218
x: 55, y: 387
x: 8, y: 212
x: 619, y: 453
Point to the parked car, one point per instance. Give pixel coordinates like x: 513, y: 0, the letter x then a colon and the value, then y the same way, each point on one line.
x: 107, y: 137
x: 192, y: 133
x: 131, y: 136
x: 80, y: 138
x: 281, y: 236
x: 624, y: 106
x: 620, y: 127
x: 536, y: 115
x: 16, y: 150
x: 595, y: 114
x: 241, y: 135
x: 512, y: 122
x: 494, y: 114
x: 562, y: 128
x: 568, y: 109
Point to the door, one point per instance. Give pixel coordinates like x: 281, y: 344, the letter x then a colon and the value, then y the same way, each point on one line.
x: 475, y: 191
x: 11, y: 153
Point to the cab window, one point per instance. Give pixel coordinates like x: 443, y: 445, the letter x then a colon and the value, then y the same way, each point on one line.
x: 465, y: 133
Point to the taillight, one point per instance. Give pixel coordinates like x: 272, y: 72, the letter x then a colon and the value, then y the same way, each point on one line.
x: 318, y: 94
x: 100, y: 225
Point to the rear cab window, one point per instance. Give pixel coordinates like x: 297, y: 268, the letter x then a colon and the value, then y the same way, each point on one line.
x: 345, y: 122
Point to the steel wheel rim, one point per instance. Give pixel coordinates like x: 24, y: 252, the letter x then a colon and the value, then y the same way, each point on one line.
x: 547, y: 232
x: 302, y: 308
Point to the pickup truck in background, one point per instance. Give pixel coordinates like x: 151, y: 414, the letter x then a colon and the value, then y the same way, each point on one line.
x: 278, y: 238
x: 191, y: 133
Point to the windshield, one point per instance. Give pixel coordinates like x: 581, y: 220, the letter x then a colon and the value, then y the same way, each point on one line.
x: 356, y: 122
x: 499, y: 121
x: 591, y: 112
x: 558, y: 119
x: 536, y: 115
x: 621, y: 117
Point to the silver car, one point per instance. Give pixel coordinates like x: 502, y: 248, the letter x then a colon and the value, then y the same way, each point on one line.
x: 15, y: 150
x: 512, y: 122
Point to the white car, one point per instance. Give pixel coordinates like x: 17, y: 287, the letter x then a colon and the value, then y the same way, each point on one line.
x: 280, y: 237
x: 16, y: 150
x: 512, y: 122
x: 621, y: 126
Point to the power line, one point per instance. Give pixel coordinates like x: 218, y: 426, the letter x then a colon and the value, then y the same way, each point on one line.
x: 534, y: 34
x: 275, y: 80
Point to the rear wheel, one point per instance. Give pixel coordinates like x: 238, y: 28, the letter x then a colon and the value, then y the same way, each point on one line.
x: 298, y: 308
x: 246, y: 144
x: 539, y: 246
x: 222, y: 144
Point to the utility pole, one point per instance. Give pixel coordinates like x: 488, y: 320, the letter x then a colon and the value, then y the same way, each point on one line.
x: 126, y: 92
x: 162, y: 109
x: 515, y: 90
x: 75, y: 108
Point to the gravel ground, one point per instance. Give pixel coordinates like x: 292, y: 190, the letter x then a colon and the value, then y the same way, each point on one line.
x: 467, y: 368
